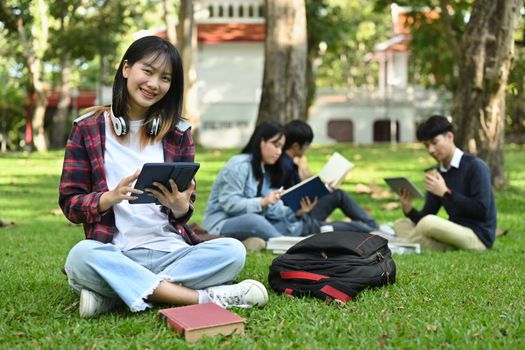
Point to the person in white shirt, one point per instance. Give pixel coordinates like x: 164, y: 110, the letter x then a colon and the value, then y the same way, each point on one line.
x: 460, y: 183
x: 140, y: 254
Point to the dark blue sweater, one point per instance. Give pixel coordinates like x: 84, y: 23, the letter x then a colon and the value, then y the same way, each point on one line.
x: 290, y: 171
x: 471, y: 203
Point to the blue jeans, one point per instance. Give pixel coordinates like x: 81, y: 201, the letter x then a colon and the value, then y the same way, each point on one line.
x: 133, y: 275
x: 249, y: 225
x: 361, y: 220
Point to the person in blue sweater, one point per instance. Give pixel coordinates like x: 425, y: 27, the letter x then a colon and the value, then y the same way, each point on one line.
x: 461, y: 183
x: 299, y: 135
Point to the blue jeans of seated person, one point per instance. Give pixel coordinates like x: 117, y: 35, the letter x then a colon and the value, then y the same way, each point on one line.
x: 249, y: 225
x: 133, y: 275
x: 255, y: 225
x: 361, y: 220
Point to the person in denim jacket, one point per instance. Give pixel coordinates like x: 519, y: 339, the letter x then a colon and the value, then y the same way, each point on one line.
x: 245, y: 198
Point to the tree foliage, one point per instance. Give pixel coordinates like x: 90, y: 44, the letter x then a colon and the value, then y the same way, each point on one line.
x: 343, y: 33
x: 89, y: 33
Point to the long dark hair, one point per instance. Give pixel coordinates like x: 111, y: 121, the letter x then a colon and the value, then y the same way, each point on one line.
x: 265, y: 131
x: 169, y: 108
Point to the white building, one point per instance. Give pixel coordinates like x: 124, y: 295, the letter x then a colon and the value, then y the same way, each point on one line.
x: 230, y: 63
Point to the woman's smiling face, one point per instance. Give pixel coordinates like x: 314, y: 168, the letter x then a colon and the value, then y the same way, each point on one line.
x: 148, y: 81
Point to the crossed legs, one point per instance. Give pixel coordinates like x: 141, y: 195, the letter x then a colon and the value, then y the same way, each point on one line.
x: 436, y: 233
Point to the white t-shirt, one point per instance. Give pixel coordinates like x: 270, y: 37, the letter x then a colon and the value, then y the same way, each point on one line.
x: 138, y: 225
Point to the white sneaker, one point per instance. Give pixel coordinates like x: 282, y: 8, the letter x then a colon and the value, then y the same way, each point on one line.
x: 245, y: 294
x: 92, y: 304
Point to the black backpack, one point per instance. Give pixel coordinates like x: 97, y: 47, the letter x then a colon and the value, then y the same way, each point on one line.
x: 335, y: 265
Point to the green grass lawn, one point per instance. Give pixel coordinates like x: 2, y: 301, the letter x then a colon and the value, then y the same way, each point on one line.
x: 459, y: 300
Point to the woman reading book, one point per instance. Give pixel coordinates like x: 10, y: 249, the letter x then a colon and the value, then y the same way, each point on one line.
x: 141, y: 254
x: 245, y: 198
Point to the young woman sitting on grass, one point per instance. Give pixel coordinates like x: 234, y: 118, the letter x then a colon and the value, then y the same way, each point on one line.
x: 245, y: 198
x: 141, y: 254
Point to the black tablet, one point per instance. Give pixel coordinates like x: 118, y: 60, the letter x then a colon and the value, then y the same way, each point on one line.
x: 397, y: 183
x: 182, y: 173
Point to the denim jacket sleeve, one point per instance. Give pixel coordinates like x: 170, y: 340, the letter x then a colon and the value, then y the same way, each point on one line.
x: 237, y: 195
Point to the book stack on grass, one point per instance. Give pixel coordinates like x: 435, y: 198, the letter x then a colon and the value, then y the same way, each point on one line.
x: 397, y: 246
x: 404, y: 248
x: 279, y: 245
x: 196, y: 321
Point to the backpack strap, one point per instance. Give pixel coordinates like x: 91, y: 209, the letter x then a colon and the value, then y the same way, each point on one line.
x: 83, y: 116
x: 182, y: 125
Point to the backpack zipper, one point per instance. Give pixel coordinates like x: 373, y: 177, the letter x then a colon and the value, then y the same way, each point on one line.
x: 380, y: 258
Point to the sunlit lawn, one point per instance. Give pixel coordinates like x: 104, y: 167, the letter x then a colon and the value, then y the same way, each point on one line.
x: 441, y: 300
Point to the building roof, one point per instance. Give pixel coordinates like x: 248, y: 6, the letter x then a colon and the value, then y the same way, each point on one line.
x: 226, y: 32
x: 85, y: 98
x: 214, y: 33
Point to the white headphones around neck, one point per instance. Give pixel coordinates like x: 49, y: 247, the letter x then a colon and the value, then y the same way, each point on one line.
x: 120, y: 125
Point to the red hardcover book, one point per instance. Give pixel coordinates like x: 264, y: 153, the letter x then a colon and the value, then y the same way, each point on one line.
x: 195, y: 321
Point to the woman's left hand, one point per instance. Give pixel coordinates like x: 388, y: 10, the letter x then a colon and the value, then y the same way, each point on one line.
x: 306, y: 206
x: 178, y: 202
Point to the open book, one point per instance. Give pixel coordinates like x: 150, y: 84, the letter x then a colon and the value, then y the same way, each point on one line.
x: 335, y: 170
x: 195, y: 321
x: 312, y: 187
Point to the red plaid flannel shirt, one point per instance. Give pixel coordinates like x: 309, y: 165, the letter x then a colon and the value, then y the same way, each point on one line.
x: 83, y: 178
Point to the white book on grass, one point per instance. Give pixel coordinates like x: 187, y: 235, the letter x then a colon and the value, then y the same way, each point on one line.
x: 279, y: 245
x: 404, y: 248
x: 335, y: 170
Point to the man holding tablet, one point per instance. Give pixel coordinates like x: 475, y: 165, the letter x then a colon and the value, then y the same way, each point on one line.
x: 461, y: 183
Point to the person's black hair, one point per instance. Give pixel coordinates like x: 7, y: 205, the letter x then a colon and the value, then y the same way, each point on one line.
x: 297, y: 131
x: 432, y: 127
x: 265, y: 131
x: 169, y: 108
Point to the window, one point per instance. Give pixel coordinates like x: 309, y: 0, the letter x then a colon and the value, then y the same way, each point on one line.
x: 382, y: 130
x: 341, y: 130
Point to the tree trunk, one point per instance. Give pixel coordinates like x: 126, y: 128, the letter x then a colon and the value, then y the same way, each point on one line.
x: 187, y: 36
x: 311, y: 73
x: 169, y: 21
x: 60, y: 118
x: 284, y: 84
x: 33, y: 62
x: 487, y: 51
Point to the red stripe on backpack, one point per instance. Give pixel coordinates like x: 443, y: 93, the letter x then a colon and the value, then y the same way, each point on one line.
x: 336, y: 293
x: 301, y: 275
